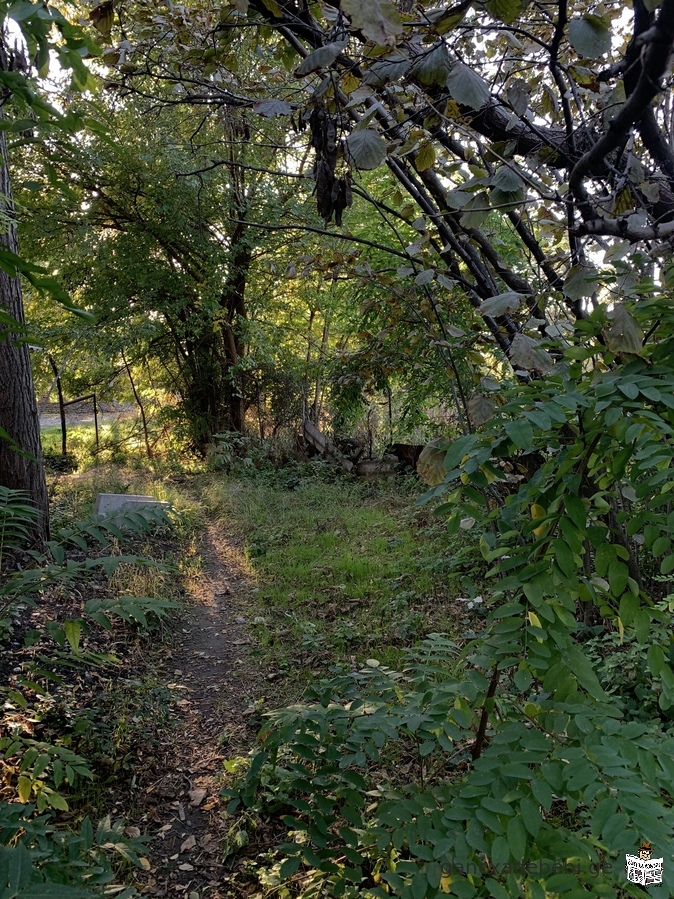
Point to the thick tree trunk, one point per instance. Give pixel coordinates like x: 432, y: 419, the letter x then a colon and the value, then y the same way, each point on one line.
x: 20, y: 456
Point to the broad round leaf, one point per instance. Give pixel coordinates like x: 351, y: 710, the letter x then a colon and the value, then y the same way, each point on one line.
x: 271, y: 108
x: 431, y: 464
x: 467, y: 87
x: 383, y: 71
x: 433, y: 66
x: 590, y: 36
x: 321, y: 58
x: 501, y: 304
x: 525, y: 353
x: 624, y: 335
x: 480, y: 409
x: 378, y: 20
x: 366, y: 149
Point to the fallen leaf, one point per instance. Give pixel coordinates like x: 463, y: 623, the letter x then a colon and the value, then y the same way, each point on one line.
x: 189, y: 843
x: 197, y: 797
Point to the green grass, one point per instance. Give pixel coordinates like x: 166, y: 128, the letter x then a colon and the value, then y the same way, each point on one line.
x: 346, y: 571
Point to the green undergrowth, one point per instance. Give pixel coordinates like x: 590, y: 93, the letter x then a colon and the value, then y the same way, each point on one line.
x: 86, y: 716
x: 346, y: 570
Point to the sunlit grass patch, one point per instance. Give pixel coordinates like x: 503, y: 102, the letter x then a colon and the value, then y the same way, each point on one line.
x: 345, y: 570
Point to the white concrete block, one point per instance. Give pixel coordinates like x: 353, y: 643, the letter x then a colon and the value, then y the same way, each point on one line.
x: 109, y: 503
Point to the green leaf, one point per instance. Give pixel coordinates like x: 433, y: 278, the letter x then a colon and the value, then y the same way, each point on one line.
x: 73, y: 632
x: 656, y: 659
x: 383, y: 71
x: 642, y: 624
x: 419, y: 885
x: 289, y: 866
x: 433, y: 67
x: 582, y: 668
x: 603, y: 813
x: 531, y: 815
x: 467, y: 87
x: 522, y: 679
x: 517, y: 838
x: 590, y: 36
x: 505, y: 10
x: 543, y: 793
x: 575, y: 508
x: 378, y: 20
x: 629, y: 606
x: 366, y: 149
x: 476, y: 210
x: 564, y: 557
x: 604, y: 555
x: 617, y: 577
x: 580, y: 282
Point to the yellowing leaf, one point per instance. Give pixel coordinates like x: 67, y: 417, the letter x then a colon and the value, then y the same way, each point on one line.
x: 102, y: 18
x: 538, y: 512
x: 24, y: 788
x: 452, y: 110
x: 425, y: 157
x: 431, y: 465
x: 274, y: 8
x: 349, y: 83
x: 446, y: 883
x: 624, y: 202
x: 534, y: 620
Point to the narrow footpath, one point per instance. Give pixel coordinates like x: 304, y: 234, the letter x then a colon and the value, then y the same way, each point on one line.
x: 209, y: 669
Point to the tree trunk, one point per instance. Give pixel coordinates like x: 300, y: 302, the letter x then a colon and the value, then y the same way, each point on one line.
x: 20, y: 455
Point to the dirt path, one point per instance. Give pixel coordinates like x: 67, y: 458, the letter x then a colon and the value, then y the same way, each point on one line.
x: 209, y: 668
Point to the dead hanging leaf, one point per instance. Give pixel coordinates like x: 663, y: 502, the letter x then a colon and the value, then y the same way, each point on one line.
x: 378, y: 20
x: 431, y: 464
x: 624, y: 337
x: 480, y: 409
x: 525, y: 353
x: 102, y: 17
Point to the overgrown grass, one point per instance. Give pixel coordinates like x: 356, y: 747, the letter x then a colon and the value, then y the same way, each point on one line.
x: 346, y: 570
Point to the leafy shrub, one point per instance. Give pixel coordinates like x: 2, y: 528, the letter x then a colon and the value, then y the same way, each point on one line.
x: 36, y: 857
x: 451, y: 774
x: 383, y: 793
